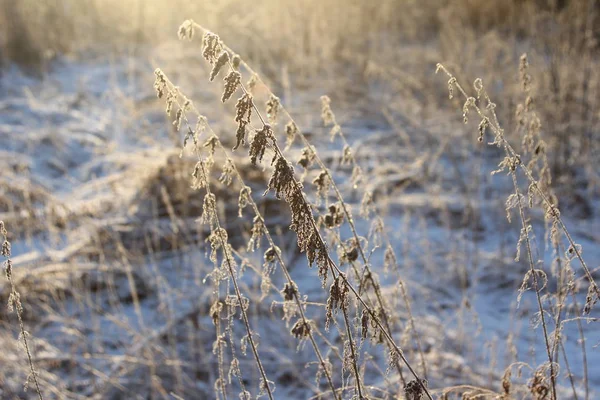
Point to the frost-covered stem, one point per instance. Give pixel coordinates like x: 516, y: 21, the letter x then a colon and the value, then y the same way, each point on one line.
x: 220, y: 357
x: 388, y: 243
x: 220, y: 350
x: 533, y: 182
x: 280, y: 154
x: 583, y: 346
x: 338, y: 194
x: 317, y: 235
x: 257, y: 213
x: 569, y: 374
x: 333, y: 265
x: 561, y: 295
x: 286, y: 273
x: 354, y: 355
x: 231, y: 272
x: 536, y: 285
x: 14, y: 296
x: 413, y: 327
x: 239, y: 297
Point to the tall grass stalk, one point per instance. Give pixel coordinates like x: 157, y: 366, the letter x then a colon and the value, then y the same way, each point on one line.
x: 14, y: 304
x: 551, y: 209
x: 366, y: 273
x: 286, y: 186
x: 292, y: 288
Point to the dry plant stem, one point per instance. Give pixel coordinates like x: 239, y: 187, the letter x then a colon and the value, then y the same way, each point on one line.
x: 288, y: 278
x: 239, y: 297
x: 354, y: 356
x: 388, y: 243
x: 267, y: 234
x: 335, y: 268
x: 220, y: 350
x: 366, y: 268
x: 583, y: 346
x: 533, y: 182
x: 18, y: 307
x: 332, y: 265
x: 238, y: 294
x: 536, y: 286
x: 561, y: 295
x: 413, y: 327
x: 317, y: 235
x: 569, y: 374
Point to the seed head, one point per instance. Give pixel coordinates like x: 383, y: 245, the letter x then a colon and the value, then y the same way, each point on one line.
x: 273, y: 105
x: 243, y: 111
x: 232, y: 82
x: 236, y: 61
x: 260, y: 142
x: 212, y: 47
x: 186, y: 30
x: 326, y: 112
x: 289, y: 291
x: 300, y: 329
x: 413, y: 390
x: 221, y: 62
x: 291, y: 130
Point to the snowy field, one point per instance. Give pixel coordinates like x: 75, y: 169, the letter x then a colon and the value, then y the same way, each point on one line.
x: 111, y: 260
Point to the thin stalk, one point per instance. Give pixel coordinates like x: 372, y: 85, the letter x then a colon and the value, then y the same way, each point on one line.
x: 257, y: 213
x: 554, y: 211
x: 332, y: 264
x: 322, y: 245
x: 239, y: 297
x: 231, y: 271
x: 15, y: 297
x: 535, y: 279
x: 366, y: 268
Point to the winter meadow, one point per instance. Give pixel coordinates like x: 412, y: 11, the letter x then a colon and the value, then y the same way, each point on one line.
x: 393, y: 199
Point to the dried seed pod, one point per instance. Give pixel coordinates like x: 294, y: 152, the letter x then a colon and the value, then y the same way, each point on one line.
x: 337, y: 300
x: 273, y: 105
x: 243, y: 112
x: 209, y: 209
x: 257, y: 232
x: 413, y: 390
x: 260, y: 142
x: 227, y: 173
x: 300, y: 329
x: 364, y: 322
x: 215, y: 311
x: 252, y: 82
x: 335, y: 216
x: 291, y: 130
x: 221, y: 62
x: 307, y: 157
x: 244, y: 199
x: 322, y: 182
x: 212, y: 47
x: 282, y: 179
x: 236, y: 61
x: 326, y: 112
x: 160, y: 83
x: 186, y: 30
x: 232, y: 82
x: 289, y: 291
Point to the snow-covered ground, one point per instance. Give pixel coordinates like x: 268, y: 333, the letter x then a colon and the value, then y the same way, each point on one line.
x: 111, y: 262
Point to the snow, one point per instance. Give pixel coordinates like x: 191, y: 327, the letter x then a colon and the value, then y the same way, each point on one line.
x: 83, y: 149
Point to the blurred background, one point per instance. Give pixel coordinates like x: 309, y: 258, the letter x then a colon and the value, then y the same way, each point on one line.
x: 109, y: 256
x: 393, y: 41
